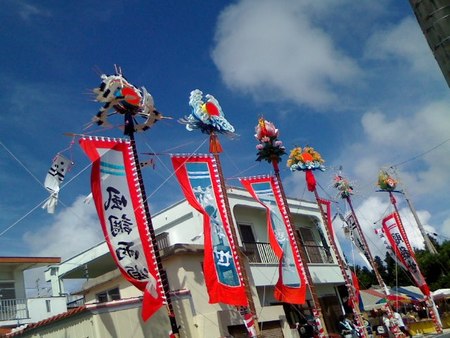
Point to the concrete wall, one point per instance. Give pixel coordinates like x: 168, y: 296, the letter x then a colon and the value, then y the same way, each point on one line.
x: 37, y: 307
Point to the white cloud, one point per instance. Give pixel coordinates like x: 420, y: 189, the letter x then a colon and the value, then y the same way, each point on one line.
x: 370, y: 214
x: 415, y: 144
x: 403, y: 43
x: 27, y: 11
x: 74, y: 230
x: 404, y: 141
x: 274, y: 51
x: 446, y: 229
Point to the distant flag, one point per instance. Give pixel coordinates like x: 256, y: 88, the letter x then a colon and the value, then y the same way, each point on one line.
x: 55, y: 176
x: 352, y: 233
x: 149, y: 163
x: 398, y: 241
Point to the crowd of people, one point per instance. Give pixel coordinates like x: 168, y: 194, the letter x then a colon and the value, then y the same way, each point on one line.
x: 384, y: 328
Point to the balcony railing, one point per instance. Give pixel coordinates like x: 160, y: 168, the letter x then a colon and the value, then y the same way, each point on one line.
x: 163, y: 240
x: 259, y: 252
x: 75, y: 303
x: 13, y: 309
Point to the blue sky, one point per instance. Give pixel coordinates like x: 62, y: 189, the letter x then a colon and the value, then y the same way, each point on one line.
x: 355, y: 80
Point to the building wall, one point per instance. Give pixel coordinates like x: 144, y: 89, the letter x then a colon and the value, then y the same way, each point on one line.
x: 121, y: 323
x: 198, y: 318
x: 42, y: 308
x: 127, y: 290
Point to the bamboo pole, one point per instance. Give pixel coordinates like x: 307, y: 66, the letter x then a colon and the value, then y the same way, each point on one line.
x: 213, y: 139
x: 317, y: 311
x: 426, y: 239
x: 162, y: 272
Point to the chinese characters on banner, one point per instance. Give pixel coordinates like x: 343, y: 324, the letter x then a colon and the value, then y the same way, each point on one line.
x: 200, y: 182
x: 291, y: 285
x: 55, y: 176
x: 396, y: 237
x: 120, y: 208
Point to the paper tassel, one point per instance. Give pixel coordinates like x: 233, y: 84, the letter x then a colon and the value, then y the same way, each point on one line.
x: 310, y: 180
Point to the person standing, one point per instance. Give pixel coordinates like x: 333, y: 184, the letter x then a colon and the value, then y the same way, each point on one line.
x: 401, y: 325
x: 346, y: 328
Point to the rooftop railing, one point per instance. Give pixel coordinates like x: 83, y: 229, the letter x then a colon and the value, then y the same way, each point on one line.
x: 13, y: 309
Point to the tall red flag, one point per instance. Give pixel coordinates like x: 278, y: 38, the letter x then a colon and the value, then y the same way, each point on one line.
x: 201, y: 184
x: 291, y: 285
x: 120, y: 208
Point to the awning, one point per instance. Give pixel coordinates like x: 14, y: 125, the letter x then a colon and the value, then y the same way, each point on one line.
x: 441, y: 294
x: 371, y: 299
x: 412, y: 292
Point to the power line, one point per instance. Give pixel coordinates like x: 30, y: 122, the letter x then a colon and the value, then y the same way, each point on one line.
x: 421, y: 154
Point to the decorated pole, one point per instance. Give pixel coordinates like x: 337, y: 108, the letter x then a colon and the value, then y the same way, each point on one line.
x: 165, y: 281
x: 124, y: 98
x: 209, y: 118
x: 307, y: 160
x: 426, y: 239
x: 271, y: 149
x: 345, y: 192
x: 395, y: 231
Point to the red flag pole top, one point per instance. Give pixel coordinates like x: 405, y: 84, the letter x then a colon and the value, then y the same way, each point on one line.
x: 270, y: 149
x: 308, y: 160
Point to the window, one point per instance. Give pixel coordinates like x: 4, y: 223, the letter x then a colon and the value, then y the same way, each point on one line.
x: 313, y: 250
x: 7, y: 290
x: 246, y: 233
x: 249, y: 243
x: 108, y: 295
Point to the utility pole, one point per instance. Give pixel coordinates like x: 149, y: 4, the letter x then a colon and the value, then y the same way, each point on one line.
x: 429, y: 245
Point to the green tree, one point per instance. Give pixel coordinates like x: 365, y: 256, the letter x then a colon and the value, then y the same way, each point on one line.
x: 395, y: 275
x: 435, y: 268
x: 366, y: 277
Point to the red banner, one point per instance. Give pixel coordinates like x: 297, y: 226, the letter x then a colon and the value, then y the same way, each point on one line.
x: 291, y: 285
x: 120, y: 208
x: 201, y: 184
x: 397, y: 239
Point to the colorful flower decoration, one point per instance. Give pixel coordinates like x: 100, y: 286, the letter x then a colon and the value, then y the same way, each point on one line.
x: 386, y: 182
x: 305, y: 159
x: 269, y: 147
x: 343, y: 185
x: 207, y: 116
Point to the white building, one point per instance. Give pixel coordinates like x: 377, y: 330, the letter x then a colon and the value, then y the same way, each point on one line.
x: 112, y: 305
x: 15, y: 307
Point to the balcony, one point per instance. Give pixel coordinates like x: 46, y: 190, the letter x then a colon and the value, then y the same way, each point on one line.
x: 30, y: 310
x: 264, y: 264
x: 13, y: 309
x: 262, y: 253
